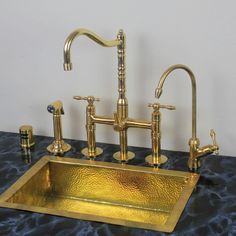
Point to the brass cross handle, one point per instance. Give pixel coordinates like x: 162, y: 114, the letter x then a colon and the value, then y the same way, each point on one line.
x: 157, y: 106
x: 89, y: 99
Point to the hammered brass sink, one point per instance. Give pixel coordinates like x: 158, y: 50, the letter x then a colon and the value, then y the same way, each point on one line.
x: 113, y: 193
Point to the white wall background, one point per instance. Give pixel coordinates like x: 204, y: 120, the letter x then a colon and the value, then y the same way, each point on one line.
x: 200, y: 34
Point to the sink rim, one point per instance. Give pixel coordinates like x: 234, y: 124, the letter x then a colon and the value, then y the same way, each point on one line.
x: 167, y: 227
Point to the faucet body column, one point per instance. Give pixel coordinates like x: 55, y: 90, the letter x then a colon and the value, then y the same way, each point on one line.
x: 122, y: 102
x: 156, y: 138
x: 91, y: 151
x: 58, y: 146
x: 156, y: 159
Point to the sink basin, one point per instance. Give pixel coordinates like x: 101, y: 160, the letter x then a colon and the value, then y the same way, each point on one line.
x: 127, y: 195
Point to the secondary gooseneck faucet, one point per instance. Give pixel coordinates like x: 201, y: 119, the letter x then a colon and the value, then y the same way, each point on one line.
x: 195, y: 150
x: 120, y: 121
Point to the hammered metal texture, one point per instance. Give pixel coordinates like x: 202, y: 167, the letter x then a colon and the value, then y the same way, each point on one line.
x: 116, y: 186
x: 103, y: 192
x: 35, y: 192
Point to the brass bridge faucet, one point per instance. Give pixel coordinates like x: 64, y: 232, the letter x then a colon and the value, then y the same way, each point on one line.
x: 120, y: 121
x: 194, y: 143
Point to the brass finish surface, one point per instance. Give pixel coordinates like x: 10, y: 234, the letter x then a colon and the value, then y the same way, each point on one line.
x: 91, y: 151
x: 75, y: 34
x: 58, y: 146
x: 26, y: 136
x: 107, y: 192
x: 86, y: 152
x: 118, y: 156
x: 120, y: 122
x: 195, y: 150
x: 157, y: 159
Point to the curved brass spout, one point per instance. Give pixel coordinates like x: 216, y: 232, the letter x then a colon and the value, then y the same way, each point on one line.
x: 158, y: 92
x: 75, y: 34
x: 195, y: 150
x: 122, y: 102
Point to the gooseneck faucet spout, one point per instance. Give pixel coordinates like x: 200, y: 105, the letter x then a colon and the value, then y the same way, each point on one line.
x: 75, y: 34
x: 195, y: 150
x: 158, y: 92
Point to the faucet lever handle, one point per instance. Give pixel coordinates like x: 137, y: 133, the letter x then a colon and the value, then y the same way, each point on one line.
x: 89, y: 99
x: 157, y: 106
x: 213, y: 136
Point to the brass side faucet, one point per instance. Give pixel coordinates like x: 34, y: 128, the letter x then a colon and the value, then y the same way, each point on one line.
x: 120, y: 120
x: 194, y: 143
x: 91, y: 151
x: 156, y: 158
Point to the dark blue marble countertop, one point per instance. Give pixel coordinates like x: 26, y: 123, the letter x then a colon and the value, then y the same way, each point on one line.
x: 211, y: 209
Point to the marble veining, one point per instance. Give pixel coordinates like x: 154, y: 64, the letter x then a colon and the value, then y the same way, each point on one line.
x: 211, y: 209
